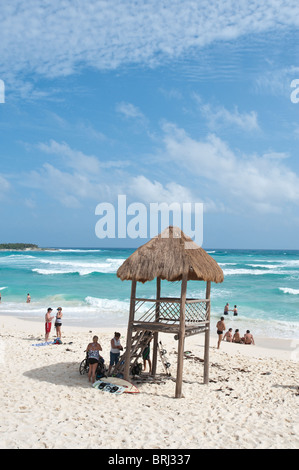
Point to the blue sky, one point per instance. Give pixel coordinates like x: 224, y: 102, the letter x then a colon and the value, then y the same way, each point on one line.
x: 163, y: 102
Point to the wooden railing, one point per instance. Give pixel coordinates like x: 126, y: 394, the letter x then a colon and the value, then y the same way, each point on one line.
x: 167, y: 310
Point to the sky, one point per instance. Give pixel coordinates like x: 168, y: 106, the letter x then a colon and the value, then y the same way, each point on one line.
x: 163, y: 102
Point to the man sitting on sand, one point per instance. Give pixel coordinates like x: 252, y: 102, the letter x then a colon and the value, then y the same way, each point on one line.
x: 228, y: 336
x: 248, y: 338
x: 220, y: 329
x: 237, y: 337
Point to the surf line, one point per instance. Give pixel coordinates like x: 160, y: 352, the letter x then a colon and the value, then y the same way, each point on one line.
x: 119, y: 460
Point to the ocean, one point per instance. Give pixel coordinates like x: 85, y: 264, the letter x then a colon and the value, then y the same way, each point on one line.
x: 263, y: 284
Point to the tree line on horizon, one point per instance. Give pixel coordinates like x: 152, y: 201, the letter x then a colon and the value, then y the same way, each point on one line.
x: 17, y: 246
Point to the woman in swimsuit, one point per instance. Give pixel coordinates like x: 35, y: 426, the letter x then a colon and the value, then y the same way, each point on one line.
x: 58, y: 322
x: 228, y: 335
x: 93, y: 358
x: 236, y: 337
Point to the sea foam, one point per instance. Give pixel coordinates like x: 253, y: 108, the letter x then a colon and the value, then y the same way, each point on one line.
x: 288, y: 290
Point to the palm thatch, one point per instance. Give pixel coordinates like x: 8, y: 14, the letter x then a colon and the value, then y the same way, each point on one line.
x: 169, y: 255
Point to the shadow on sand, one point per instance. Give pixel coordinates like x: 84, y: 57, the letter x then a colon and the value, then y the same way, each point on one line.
x: 62, y: 373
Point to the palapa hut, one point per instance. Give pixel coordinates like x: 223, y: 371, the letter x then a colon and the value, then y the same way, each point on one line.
x: 172, y: 256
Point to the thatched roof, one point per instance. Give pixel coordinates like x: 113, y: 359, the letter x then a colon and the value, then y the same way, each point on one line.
x: 169, y: 255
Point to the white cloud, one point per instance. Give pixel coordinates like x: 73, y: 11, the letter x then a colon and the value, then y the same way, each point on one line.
x: 261, y: 182
x: 67, y: 188
x: 147, y: 191
x: 79, y: 177
x: 143, y: 189
x: 59, y: 37
x: 78, y: 160
x: 72, y: 158
x: 277, y: 81
x: 129, y: 111
x: 4, y: 186
x: 221, y: 116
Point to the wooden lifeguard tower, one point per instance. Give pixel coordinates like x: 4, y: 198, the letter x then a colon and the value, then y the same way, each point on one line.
x: 170, y: 256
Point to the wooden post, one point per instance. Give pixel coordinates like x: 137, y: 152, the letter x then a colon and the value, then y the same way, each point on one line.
x: 130, y: 330
x: 179, y: 377
x: 207, y: 334
x: 156, y: 334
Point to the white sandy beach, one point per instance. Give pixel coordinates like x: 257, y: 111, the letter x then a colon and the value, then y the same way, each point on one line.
x: 251, y: 401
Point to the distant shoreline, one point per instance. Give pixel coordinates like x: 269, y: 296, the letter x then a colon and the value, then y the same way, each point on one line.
x: 29, y: 249
x: 23, y: 247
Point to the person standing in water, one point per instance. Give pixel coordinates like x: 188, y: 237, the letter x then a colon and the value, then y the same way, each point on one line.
x: 28, y: 299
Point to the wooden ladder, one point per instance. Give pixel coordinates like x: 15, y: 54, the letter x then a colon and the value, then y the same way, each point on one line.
x: 140, y: 341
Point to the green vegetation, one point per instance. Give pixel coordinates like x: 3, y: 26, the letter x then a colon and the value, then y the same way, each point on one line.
x: 17, y: 246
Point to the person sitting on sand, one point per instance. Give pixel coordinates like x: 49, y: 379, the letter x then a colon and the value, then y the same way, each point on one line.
x: 93, y: 358
x: 228, y: 335
x: 48, y: 323
x: 237, y: 337
x: 248, y: 338
x: 116, y: 347
x: 220, y: 329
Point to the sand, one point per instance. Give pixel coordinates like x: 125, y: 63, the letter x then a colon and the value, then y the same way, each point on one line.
x: 251, y: 401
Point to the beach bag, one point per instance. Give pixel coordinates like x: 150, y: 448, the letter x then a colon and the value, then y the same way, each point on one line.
x: 136, y: 369
x: 57, y: 341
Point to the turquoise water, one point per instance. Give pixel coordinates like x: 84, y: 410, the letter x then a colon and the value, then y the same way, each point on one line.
x: 263, y: 284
